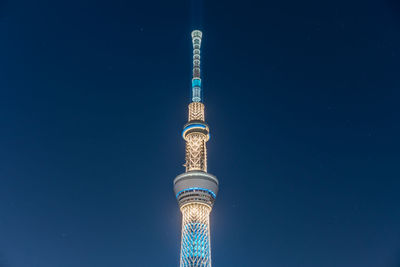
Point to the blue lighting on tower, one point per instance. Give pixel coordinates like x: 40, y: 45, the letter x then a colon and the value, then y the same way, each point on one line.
x: 196, y: 244
x: 196, y: 188
x: 196, y: 83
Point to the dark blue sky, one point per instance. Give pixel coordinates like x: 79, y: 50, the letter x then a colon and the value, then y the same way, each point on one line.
x: 302, y: 98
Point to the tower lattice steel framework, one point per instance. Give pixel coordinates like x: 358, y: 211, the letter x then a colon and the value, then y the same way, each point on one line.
x: 196, y: 189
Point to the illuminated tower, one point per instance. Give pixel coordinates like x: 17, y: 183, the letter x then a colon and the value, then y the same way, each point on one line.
x: 196, y: 189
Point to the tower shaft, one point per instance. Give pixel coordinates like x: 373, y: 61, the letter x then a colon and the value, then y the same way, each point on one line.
x: 196, y: 149
x: 195, y: 248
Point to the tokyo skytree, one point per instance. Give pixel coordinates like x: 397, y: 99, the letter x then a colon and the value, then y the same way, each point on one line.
x: 196, y: 189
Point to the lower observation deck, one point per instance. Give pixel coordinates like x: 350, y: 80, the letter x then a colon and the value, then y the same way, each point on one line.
x: 196, y: 187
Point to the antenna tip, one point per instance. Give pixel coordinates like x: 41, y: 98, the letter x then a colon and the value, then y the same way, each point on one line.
x: 197, y: 34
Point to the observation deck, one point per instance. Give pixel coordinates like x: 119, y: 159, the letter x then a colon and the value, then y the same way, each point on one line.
x: 196, y: 187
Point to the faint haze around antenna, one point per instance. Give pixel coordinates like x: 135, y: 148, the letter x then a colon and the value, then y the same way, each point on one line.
x: 197, y: 7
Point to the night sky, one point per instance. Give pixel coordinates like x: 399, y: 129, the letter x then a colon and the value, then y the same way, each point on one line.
x: 302, y: 99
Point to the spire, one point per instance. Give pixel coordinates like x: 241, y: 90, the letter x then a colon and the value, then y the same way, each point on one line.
x: 196, y: 80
